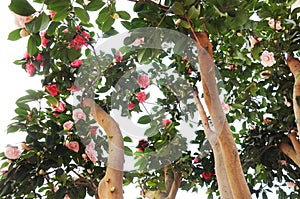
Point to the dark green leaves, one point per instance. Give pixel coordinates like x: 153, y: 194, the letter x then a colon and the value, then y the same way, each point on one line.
x: 144, y: 119
x: 14, y: 35
x: 38, y: 23
x: 21, y: 7
x: 32, y: 46
x: 179, y: 8
x: 124, y: 15
x: 95, y: 5
x: 82, y: 14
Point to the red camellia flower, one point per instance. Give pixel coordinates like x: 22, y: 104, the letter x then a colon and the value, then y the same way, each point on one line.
x: 52, y: 14
x: 165, y: 122
x: 30, y: 68
x: 119, y: 56
x: 207, y: 175
x: 74, y: 146
x: 144, y: 81
x: 130, y: 106
x: 196, y: 159
x: 53, y: 90
x: 76, y: 63
x: 141, y: 97
x: 80, y: 40
x: 93, y: 130
x: 12, y: 153
x: 39, y: 57
x: 44, y: 40
x: 61, y: 107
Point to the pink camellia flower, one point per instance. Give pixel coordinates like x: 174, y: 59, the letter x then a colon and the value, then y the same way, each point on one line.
x: 119, y: 56
x: 283, y: 162
x: 28, y: 117
x: 65, y: 30
x: 232, y: 67
x: 52, y: 14
x: 254, y: 40
x: 74, y: 146
x: 196, y: 159
x: 30, y: 68
x: 80, y: 40
x: 78, y: 114
x: 267, y: 59
x: 207, y: 175
x: 20, y: 21
x: 138, y: 41
x: 141, y: 97
x: 91, y: 152
x: 185, y: 59
x: 144, y: 81
x: 12, y: 152
x: 61, y: 107
x: 44, y: 40
x: 130, y: 106
x: 265, y: 74
x: 68, y: 125
x: 275, y: 25
x: 225, y: 107
x: 291, y: 184
x: 52, y: 89
x: 165, y: 122
x: 26, y: 55
x: 76, y: 63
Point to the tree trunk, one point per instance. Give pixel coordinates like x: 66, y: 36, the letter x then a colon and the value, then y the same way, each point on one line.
x: 111, y: 186
x: 222, y: 179
x: 293, y: 151
x: 228, y: 148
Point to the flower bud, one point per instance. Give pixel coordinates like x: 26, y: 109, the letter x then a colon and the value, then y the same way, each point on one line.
x: 24, y: 32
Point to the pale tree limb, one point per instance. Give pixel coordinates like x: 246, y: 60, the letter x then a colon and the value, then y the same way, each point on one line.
x: 111, y: 186
x: 294, y: 65
x: 228, y: 147
x: 293, y: 152
x: 222, y: 179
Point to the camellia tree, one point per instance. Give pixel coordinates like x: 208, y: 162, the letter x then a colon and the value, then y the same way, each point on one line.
x: 120, y: 108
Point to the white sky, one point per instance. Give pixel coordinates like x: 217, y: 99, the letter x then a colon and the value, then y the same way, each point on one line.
x: 14, y: 81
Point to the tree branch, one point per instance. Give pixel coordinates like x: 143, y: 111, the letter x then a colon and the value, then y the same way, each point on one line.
x: 289, y: 151
x: 111, y: 186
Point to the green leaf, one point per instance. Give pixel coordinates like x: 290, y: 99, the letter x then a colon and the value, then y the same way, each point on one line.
x: 188, y: 2
x: 12, y: 128
x: 108, y: 24
x: 193, y: 13
x: 21, y: 7
x: 151, y: 131
x: 95, y: 5
x: 32, y: 46
x: 144, y: 55
x: 14, y: 35
x: 38, y: 23
x: 127, y: 139
x: 103, y: 15
x: 179, y: 8
x: 124, y: 15
x: 185, y: 24
x: 144, y: 119
x: 52, y: 100
x: 82, y: 14
x: 238, y: 106
x: 60, y: 7
x: 128, y: 151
